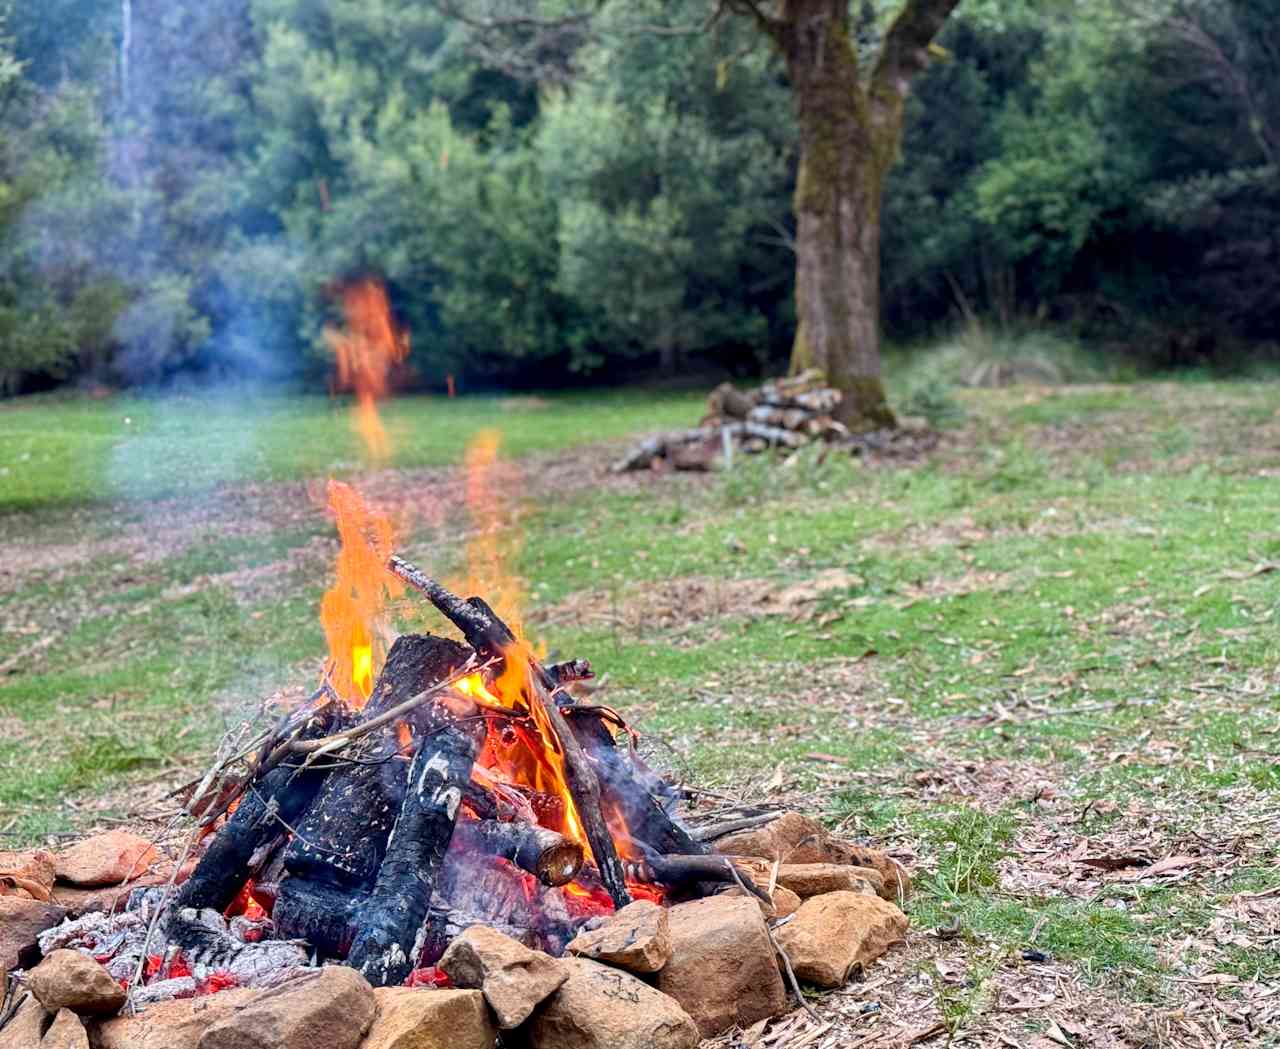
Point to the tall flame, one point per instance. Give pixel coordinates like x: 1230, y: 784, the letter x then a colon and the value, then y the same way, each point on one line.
x: 365, y: 353
x: 492, y: 491
x: 350, y: 609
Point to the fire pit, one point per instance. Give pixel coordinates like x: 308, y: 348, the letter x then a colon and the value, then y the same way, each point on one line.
x: 450, y: 813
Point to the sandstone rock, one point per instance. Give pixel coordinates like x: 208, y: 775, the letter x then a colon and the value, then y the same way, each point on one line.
x: 429, y: 1019
x: 106, y: 859
x: 105, y: 898
x: 28, y: 874
x: 791, y: 838
x: 21, y: 921
x: 813, y: 879
x: 168, y: 1025
x: 897, y: 882
x: 26, y: 1027
x: 636, y: 938
x: 67, y: 979
x: 514, y: 978
x: 722, y: 969
x: 784, y: 900
x: 604, y: 1008
x: 66, y: 1032
x: 331, y: 1010
x: 830, y: 935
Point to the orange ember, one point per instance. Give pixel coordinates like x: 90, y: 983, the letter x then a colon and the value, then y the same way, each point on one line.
x: 365, y: 353
x: 351, y: 608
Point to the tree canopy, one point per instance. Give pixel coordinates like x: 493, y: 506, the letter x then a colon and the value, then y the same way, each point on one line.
x: 182, y: 186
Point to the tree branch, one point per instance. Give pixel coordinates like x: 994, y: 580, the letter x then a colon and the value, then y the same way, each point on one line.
x: 905, y: 51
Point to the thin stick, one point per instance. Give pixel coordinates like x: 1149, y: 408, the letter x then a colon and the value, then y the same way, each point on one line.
x: 786, y: 960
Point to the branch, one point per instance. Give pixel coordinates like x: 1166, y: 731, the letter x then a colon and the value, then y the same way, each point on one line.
x: 767, y: 24
x: 905, y: 51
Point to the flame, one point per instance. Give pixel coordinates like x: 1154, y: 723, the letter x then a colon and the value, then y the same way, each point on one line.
x: 365, y: 353
x: 351, y: 608
x: 529, y: 759
x: 492, y: 490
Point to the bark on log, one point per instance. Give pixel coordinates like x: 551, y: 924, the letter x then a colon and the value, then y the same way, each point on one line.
x: 279, y: 798
x: 387, y: 939
x: 554, y: 858
x: 677, y: 871
x: 343, y: 836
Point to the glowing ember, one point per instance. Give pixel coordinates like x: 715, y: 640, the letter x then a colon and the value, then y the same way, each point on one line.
x: 350, y: 610
x: 365, y: 353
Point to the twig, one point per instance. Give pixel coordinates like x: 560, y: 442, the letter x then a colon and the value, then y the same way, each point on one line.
x: 786, y: 960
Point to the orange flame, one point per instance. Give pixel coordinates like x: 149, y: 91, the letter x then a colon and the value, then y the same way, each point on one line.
x: 351, y: 608
x: 492, y: 492
x: 365, y: 353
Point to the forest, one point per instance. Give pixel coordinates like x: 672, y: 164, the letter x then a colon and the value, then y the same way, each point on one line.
x: 183, y: 186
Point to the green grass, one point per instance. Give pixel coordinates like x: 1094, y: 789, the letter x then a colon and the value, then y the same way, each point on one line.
x: 1061, y: 626
x: 56, y: 450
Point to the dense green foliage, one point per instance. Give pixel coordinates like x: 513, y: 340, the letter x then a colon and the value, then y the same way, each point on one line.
x: 181, y: 185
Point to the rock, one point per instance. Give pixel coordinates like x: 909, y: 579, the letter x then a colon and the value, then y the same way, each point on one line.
x: 896, y: 881
x: 177, y: 1024
x: 21, y: 921
x: 26, y: 1027
x: 28, y: 874
x: 105, y: 898
x: 784, y: 900
x: 813, y: 879
x: 331, y: 1010
x: 636, y: 938
x: 430, y: 1019
x: 722, y: 969
x: 106, y: 859
x: 67, y: 979
x: 514, y: 978
x: 604, y: 1008
x: 831, y: 935
x: 66, y: 1032
x: 791, y: 838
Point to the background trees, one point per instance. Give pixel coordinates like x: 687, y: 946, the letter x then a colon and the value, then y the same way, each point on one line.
x: 177, y: 200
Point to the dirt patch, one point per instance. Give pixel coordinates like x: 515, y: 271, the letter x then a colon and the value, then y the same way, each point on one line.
x: 685, y: 600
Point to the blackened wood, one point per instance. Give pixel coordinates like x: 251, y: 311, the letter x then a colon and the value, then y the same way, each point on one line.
x: 277, y: 799
x: 560, y: 674
x: 676, y: 871
x: 389, y: 923
x: 719, y: 830
x: 322, y: 915
x: 484, y: 632
x: 554, y: 858
x: 342, y: 837
x: 631, y: 787
x: 584, y: 787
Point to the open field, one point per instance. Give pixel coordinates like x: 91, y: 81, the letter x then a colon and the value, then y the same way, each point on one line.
x: 1042, y: 666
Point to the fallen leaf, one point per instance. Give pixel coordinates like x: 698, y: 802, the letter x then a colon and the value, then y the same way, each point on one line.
x: 1165, y: 866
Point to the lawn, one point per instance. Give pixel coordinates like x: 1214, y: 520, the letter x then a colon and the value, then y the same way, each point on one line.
x: 1040, y: 665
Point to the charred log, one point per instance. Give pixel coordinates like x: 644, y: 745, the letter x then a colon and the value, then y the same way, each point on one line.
x: 343, y: 836
x: 552, y: 857
x: 266, y: 807
x: 389, y: 923
x: 677, y: 871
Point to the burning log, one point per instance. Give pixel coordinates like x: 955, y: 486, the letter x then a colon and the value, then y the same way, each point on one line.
x: 656, y: 869
x: 383, y: 949
x: 274, y: 802
x: 489, y: 636
x: 554, y: 858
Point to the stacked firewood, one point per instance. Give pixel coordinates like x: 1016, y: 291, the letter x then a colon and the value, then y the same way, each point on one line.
x: 784, y: 413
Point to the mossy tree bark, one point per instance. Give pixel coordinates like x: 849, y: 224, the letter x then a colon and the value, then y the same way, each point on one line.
x: 850, y: 129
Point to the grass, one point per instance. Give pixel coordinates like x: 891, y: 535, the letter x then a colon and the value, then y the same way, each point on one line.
x: 58, y: 451
x: 1057, y: 635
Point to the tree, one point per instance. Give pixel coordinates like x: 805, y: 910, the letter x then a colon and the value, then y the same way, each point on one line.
x: 849, y: 126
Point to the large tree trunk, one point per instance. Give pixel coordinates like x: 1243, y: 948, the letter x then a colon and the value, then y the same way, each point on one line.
x: 837, y: 205
x: 849, y: 135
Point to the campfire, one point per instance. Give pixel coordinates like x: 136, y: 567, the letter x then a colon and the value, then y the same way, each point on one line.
x: 437, y: 804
